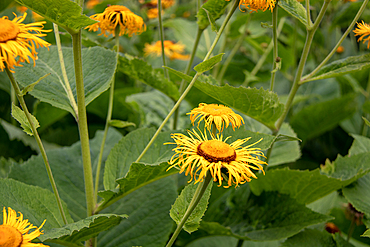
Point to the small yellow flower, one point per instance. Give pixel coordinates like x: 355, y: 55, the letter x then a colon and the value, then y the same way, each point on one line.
x: 19, y: 40
x: 90, y: 4
x: 219, y: 115
x: 255, y: 5
x: 152, y: 13
x: 165, y: 3
x: 197, y: 155
x: 117, y: 15
x: 340, y: 49
x: 171, y: 50
x: 363, y: 29
x: 14, y: 232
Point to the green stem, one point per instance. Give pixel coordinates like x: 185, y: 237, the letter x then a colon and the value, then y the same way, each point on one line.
x: 308, y: 14
x: 275, y: 42
x: 231, y: 55
x: 364, y: 126
x: 193, y: 203
x: 351, y: 229
x: 39, y: 143
x: 349, y: 29
x: 240, y: 243
x: 109, y: 118
x: 236, y: 4
x: 66, y: 84
x: 161, y: 34
x: 302, y: 62
x: 187, y: 70
x: 82, y: 123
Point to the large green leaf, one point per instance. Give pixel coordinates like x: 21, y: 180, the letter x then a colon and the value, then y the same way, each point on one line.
x: 210, y: 12
x: 358, y: 194
x: 66, y: 165
x: 35, y: 203
x: 361, y: 144
x: 318, y: 118
x: 140, y: 70
x: 98, y: 68
x: 82, y: 230
x: 260, y: 104
x: 341, y: 67
x: 149, y: 223
x: 312, y: 237
x: 182, y: 203
x: 269, y: 216
x: 295, y: 9
x: 65, y: 13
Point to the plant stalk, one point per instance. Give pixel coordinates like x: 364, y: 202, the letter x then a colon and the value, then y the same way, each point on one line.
x: 194, y: 202
x: 161, y: 34
x: 275, y: 48
x: 39, y: 143
x: 82, y: 123
x: 236, y: 4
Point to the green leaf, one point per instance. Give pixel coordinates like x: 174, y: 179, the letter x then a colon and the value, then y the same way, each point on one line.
x: 361, y: 144
x: 138, y: 176
x: 210, y: 12
x: 5, y: 166
x: 128, y: 149
x: 66, y: 164
x: 260, y: 104
x: 341, y: 67
x: 149, y: 223
x: 318, y: 118
x: 98, y: 68
x: 19, y: 115
x: 358, y: 194
x: 4, y: 4
x: 47, y: 115
x: 215, y: 241
x: 30, y: 87
x: 35, y: 203
x: 269, y: 216
x: 313, y: 237
x: 182, y: 203
x: 366, y: 233
x: 140, y: 70
x: 367, y: 122
x: 287, y: 151
x: 64, y: 13
x: 82, y: 230
x: 208, y: 64
x: 295, y: 9
x: 120, y: 123
x: 211, y: 21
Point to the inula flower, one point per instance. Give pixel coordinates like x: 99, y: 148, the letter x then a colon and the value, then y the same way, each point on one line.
x: 18, y: 41
x: 90, y: 4
x: 255, y: 5
x: 171, y: 50
x: 363, y: 29
x: 14, y: 232
x: 197, y: 155
x: 165, y: 3
x: 219, y: 115
x: 114, y: 16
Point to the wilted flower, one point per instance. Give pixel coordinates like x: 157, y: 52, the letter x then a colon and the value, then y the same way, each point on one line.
x: 219, y: 115
x: 14, y: 232
x: 197, y: 155
x: 18, y: 40
x: 114, y: 16
x: 363, y: 29
x: 171, y: 50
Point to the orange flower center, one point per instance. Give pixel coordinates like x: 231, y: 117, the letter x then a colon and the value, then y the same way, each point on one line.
x: 216, y: 110
x: 8, y: 30
x: 215, y: 151
x: 10, y: 236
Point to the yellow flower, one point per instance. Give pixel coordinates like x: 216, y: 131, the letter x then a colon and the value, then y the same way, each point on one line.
x: 197, y: 155
x: 165, y: 3
x: 363, y: 29
x: 255, y: 5
x: 19, y: 40
x: 90, y: 4
x: 171, y: 50
x: 117, y: 15
x: 152, y: 13
x: 219, y: 115
x: 340, y: 49
x: 14, y: 232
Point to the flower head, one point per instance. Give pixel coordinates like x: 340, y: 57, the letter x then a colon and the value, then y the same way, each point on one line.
x: 114, y: 15
x: 197, y: 155
x: 363, y: 29
x: 255, y: 5
x: 14, y: 232
x: 171, y: 50
x: 19, y: 41
x: 219, y: 115
x: 90, y: 4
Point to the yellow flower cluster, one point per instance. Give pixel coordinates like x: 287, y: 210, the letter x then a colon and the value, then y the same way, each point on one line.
x: 152, y: 12
x: 197, y: 154
x: 171, y: 50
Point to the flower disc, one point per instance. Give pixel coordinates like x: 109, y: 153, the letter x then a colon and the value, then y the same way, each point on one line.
x: 8, y: 31
x: 215, y: 151
x: 9, y: 236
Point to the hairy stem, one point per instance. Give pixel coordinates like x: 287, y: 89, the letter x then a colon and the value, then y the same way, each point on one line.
x: 275, y: 42
x: 39, y: 143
